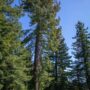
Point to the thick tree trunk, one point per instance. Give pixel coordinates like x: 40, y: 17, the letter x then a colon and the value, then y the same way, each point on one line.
x: 37, y: 64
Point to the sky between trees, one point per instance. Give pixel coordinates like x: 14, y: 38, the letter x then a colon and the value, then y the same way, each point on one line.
x: 71, y: 11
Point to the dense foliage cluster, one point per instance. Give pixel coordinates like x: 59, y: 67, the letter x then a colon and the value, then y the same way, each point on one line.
x: 38, y: 58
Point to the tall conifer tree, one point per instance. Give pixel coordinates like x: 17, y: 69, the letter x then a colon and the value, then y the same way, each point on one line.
x: 42, y: 14
x: 82, y: 53
x: 61, y: 60
x: 13, y: 56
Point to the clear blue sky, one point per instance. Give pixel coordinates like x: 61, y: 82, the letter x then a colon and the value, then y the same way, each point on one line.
x: 71, y: 11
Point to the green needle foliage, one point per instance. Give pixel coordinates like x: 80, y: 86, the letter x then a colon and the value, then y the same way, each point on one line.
x: 38, y: 58
x: 81, y: 48
x: 61, y: 61
x: 14, y: 67
x: 42, y: 14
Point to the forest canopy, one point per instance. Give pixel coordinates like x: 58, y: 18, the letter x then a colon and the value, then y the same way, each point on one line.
x: 38, y: 58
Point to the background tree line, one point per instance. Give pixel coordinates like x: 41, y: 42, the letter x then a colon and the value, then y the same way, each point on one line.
x: 38, y: 58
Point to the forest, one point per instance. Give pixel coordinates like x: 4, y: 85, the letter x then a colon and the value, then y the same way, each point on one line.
x: 38, y: 58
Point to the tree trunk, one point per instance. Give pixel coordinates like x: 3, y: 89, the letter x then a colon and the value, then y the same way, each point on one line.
x: 37, y: 64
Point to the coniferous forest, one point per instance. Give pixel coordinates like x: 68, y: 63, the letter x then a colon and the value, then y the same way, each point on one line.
x: 38, y: 58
